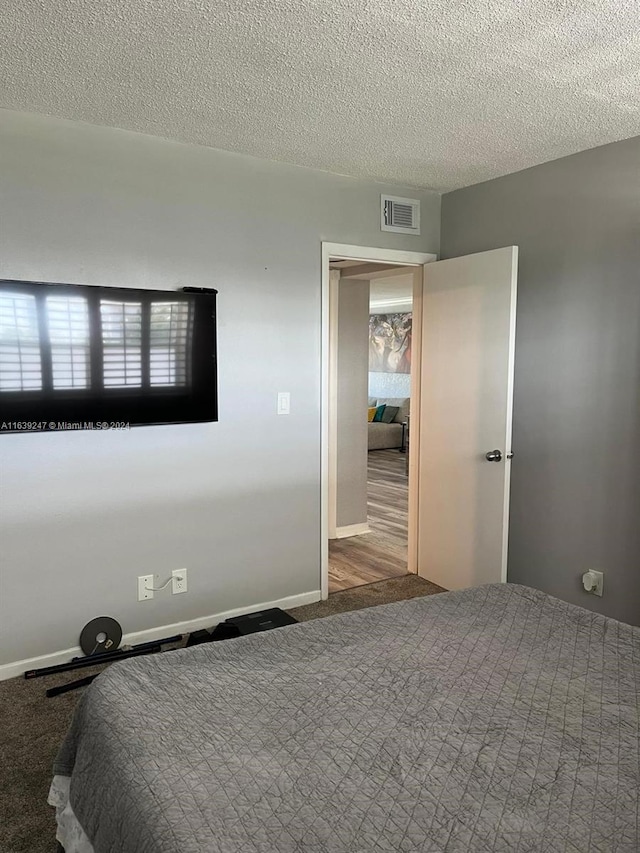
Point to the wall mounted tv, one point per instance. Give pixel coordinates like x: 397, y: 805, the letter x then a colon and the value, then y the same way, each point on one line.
x: 86, y: 357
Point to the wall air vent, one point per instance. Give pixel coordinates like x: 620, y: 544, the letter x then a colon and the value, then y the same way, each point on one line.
x: 400, y: 214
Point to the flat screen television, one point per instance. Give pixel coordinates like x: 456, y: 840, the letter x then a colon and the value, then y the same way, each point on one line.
x: 88, y: 357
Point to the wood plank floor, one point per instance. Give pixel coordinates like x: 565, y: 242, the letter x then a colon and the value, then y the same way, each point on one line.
x: 382, y: 553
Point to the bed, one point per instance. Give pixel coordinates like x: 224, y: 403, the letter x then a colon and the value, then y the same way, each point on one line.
x: 492, y: 719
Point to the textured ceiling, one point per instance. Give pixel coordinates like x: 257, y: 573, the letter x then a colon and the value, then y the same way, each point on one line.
x: 429, y: 93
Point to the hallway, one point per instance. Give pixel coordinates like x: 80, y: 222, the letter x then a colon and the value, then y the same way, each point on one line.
x: 382, y: 553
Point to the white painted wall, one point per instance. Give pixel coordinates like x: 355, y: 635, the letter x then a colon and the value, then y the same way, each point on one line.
x: 237, y: 502
x: 389, y: 384
x: 393, y: 295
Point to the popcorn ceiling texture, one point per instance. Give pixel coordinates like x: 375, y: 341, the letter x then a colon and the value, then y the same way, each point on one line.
x: 428, y: 93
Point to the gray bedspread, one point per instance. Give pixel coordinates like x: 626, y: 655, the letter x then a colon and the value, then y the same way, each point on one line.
x: 492, y: 719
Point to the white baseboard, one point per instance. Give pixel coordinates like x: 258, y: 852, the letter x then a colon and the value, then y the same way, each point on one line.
x: 11, y: 670
x: 352, y: 530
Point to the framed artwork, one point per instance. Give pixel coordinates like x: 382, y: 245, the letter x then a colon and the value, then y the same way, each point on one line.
x: 390, y: 343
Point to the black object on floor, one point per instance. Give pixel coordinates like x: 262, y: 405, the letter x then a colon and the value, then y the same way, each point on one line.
x: 239, y: 626
x: 263, y: 620
x: 222, y: 631
x: 100, y: 635
x: 103, y: 657
x: 70, y: 685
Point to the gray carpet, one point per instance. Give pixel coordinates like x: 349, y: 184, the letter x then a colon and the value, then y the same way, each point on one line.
x: 34, y: 726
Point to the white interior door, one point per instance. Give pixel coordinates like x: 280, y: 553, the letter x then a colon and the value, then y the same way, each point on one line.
x: 468, y: 342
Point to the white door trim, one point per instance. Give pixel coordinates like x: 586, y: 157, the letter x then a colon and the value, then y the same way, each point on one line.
x: 508, y: 445
x: 356, y: 253
x: 414, y: 437
x: 332, y: 479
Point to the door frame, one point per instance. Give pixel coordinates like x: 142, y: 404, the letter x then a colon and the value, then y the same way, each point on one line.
x: 366, y: 254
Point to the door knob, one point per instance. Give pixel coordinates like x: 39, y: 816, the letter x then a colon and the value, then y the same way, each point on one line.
x: 493, y: 456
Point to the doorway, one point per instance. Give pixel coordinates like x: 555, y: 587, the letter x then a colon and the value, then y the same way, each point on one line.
x: 462, y: 392
x: 392, y: 479
x: 373, y: 372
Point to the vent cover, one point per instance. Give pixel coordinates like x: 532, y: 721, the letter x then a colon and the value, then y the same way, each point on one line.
x: 400, y: 214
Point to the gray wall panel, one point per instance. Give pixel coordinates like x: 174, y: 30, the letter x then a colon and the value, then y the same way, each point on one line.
x: 353, y: 373
x: 575, y: 500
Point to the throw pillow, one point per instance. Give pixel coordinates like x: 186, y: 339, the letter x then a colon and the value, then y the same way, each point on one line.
x: 371, y: 413
x: 379, y: 413
x: 389, y: 414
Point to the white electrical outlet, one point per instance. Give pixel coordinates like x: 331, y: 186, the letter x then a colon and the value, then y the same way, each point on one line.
x: 178, y: 581
x: 593, y: 582
x: 145, y: 584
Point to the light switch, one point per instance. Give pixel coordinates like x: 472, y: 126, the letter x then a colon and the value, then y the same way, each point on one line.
x: 284, y: 402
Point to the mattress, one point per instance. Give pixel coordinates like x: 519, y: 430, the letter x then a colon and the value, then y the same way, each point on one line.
x: 493, y: 719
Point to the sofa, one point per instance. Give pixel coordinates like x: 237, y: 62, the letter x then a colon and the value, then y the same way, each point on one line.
x: 383, y: 436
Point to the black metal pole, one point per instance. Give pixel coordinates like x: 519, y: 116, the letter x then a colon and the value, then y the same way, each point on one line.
x: 84, y: 662
x: 107, y: 657
x: 136, y: 648
x: 71, y: 685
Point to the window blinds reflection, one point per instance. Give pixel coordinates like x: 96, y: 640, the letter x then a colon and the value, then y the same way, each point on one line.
x: 68, y: 323
x: 75, y: 343
x: 20, y: 360
x: 170, y: 343
x: 169, y: 328
x: 121, y: 343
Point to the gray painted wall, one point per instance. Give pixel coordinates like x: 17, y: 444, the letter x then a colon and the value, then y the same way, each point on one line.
x: 575, y: 499
x: 352, y: 397
x: 236, y: 502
